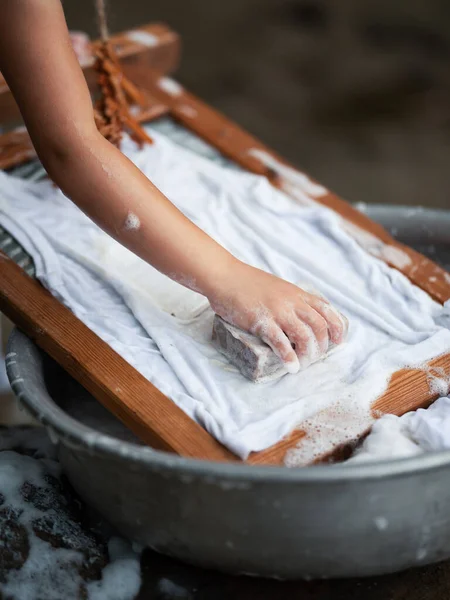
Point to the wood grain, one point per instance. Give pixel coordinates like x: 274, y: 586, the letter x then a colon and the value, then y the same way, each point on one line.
x: 410, y: 389
x: 274, y: 456
x: 109, y: 378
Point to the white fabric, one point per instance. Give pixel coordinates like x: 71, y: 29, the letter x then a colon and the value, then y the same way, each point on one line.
x: 430, y: 428
x: 424, y: 430
x: 129, y: 304
x: 390, y: 438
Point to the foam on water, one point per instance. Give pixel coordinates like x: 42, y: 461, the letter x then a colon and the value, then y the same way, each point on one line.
x: 31, y: 519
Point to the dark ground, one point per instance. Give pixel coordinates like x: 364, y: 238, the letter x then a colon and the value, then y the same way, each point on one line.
x: 355, y: 92
x: 430, y: 583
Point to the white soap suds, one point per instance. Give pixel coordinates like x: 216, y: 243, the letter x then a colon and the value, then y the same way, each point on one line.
x: 121, y: 578
x: 43, y: 568
x: 132, y: 222
x: 170, y: 86
x: 339, y: 425
x: 439, y: 386
x: 362, y: 206
x: 45, y: 574
x: 188, y: 111
x: 396, y: 257
x: 330, y: 311
x: 106, y: 169
x: 269, y: 332
x: 438, y: 380
x: 293, y: 178
x: 313, y: 352
x: 143, y: 37
x: 381, y: 523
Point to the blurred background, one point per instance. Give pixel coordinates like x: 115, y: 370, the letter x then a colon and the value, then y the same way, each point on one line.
x: 354, y: 92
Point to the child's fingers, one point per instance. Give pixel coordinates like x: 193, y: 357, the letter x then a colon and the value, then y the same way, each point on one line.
x: 316, y: 323
x: 305, y: 341
x: 273, y: 335
x: 336, y: 322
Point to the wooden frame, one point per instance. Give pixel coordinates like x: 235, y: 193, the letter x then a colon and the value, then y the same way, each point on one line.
x: 133, y: 399
x: 158, y: 49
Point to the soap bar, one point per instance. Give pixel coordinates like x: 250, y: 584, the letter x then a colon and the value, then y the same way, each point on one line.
x: 254, y: 358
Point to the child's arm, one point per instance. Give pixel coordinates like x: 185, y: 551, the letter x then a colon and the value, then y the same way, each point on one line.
x: 38, y: 62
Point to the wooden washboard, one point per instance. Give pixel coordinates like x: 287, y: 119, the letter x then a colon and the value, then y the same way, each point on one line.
x: 112, y: 381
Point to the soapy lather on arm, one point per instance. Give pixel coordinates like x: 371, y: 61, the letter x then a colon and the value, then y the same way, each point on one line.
x: 39, y: 64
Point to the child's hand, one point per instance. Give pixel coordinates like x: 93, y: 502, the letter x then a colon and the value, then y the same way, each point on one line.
x: 280, y: 313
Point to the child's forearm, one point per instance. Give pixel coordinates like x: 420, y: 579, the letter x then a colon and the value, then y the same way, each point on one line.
x: 120, y: 199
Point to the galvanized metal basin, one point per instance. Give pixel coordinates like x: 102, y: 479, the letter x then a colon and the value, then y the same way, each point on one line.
x: 324, y: 521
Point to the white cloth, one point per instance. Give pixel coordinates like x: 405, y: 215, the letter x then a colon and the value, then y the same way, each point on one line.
x: 424, y: 430
x: 430, y: 428
x: 130, y: 305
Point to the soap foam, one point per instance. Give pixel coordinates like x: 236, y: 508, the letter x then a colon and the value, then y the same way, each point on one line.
x: 121, y: 579
x: 43, y: 569
x: 188, y: 111
x: 396, y: 257
x: 132, y: 222
x: 170, y: 86
x: 143, y: 37
x: 332, y: 428
x: 293, y: 177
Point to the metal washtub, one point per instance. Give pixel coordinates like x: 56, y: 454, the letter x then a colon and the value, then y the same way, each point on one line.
x: 322, y: 521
